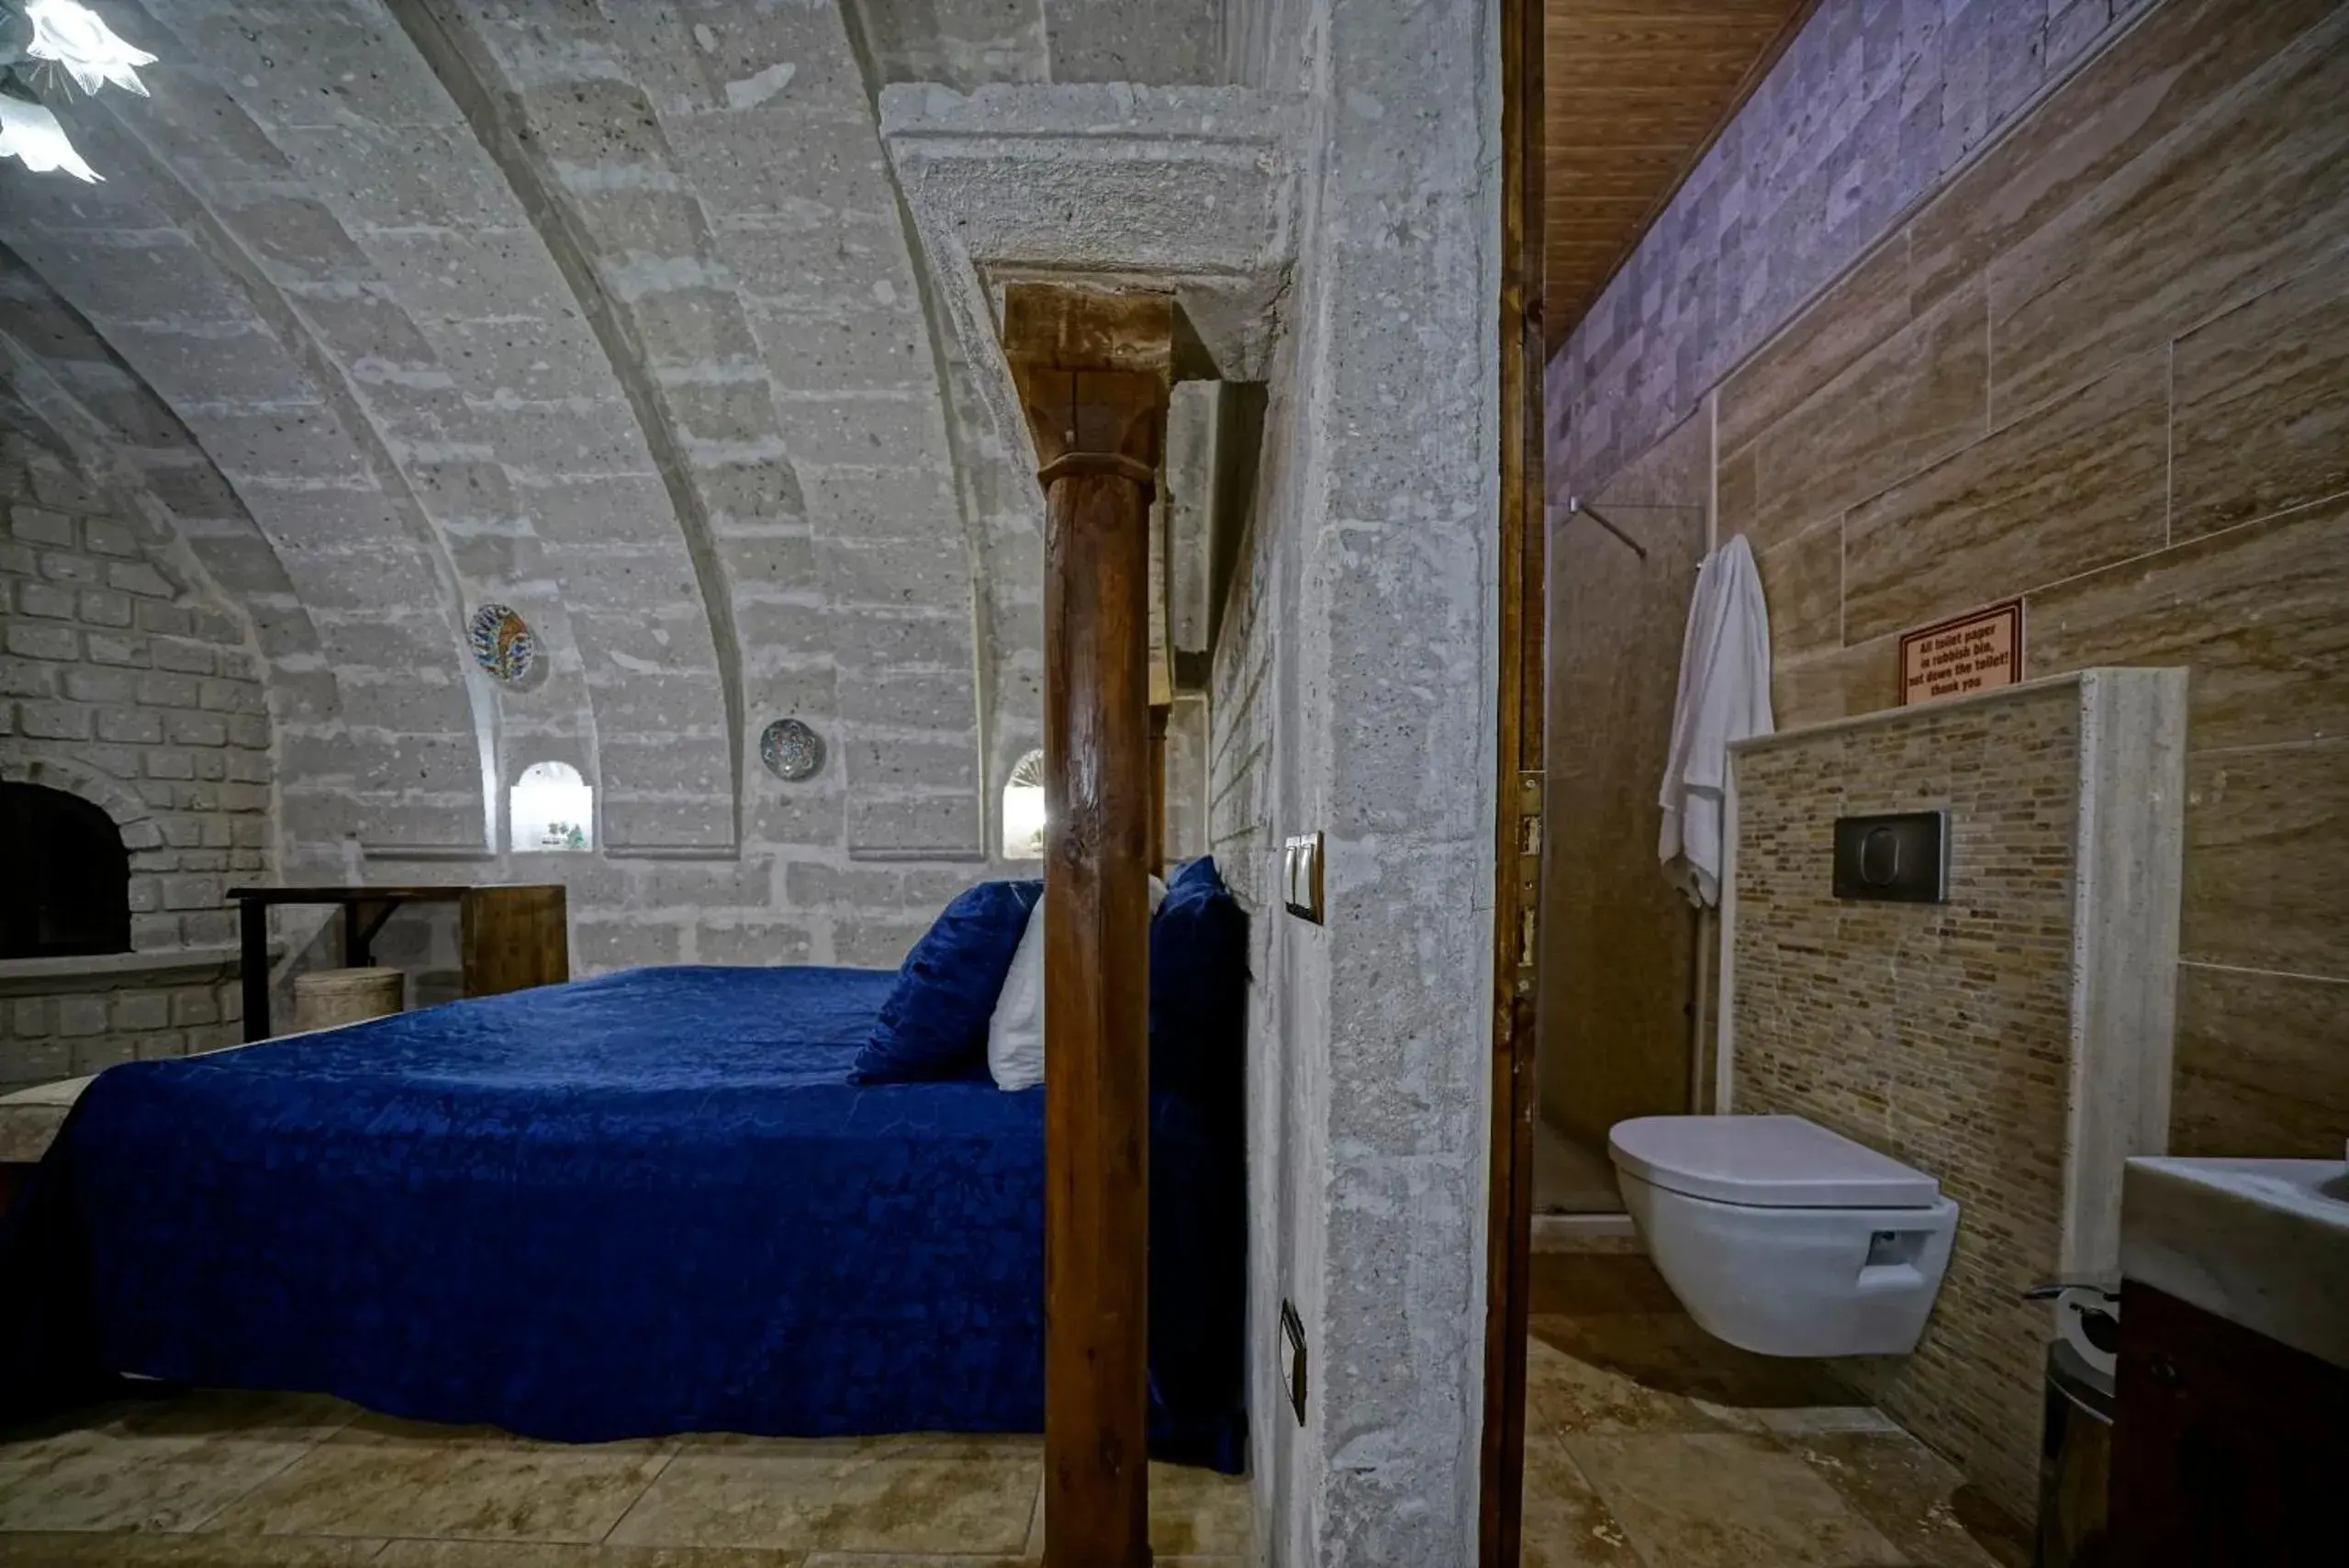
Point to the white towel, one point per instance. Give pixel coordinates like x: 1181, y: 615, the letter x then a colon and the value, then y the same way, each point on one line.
x: 1724, y: 697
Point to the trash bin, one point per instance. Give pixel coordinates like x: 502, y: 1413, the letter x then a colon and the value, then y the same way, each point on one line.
x: 326, y: 998
x: 2074, y: 1462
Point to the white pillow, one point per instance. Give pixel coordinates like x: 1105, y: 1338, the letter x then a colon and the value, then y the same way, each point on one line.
x: 1016, y: 1031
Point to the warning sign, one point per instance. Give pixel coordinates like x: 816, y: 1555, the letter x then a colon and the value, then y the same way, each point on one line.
x: 1973, y: 653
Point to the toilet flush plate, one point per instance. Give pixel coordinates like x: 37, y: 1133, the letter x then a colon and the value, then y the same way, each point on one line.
x: 1904, y: 858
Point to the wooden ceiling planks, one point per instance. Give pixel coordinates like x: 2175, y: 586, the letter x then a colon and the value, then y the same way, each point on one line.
x: 1636, y: 90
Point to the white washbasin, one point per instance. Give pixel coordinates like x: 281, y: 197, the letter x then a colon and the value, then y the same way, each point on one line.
x: 2264, y: 1243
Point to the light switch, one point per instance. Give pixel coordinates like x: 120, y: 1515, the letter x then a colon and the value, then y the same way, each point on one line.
x: 1300, y: 876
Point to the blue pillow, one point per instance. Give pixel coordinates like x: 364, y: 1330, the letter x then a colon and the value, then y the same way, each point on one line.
x: 1199, y: 873
x: 935, y: 1023
x: 1198, y: 990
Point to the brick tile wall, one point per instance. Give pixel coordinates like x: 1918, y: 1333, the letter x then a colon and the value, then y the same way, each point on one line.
x: 1939, y: 1034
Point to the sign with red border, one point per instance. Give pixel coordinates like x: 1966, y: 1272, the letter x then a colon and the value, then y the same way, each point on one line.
x: 1975, y: 652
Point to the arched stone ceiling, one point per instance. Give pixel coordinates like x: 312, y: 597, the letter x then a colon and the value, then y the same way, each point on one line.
x: 109, y: 425
x: 611, y: 312
x: 717, y: 170
x: 178, y: 299
x: 409, y: 259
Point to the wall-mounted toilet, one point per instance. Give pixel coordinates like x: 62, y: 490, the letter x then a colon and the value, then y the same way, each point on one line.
x: 1782, y: 1237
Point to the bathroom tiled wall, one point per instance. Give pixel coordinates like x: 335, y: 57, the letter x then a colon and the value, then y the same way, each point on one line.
x: 2105, y: 367
x: 1939, y: 1034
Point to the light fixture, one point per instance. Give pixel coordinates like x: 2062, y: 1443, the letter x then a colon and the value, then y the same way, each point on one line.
x: 72, y: 36
x: 30, y: 132
x: 47, y: 48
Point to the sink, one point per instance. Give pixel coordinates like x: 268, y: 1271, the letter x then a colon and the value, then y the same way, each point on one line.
x: 2264, y: 1243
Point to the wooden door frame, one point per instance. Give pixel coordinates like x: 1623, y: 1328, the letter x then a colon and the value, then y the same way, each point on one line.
x: 1517, y: 842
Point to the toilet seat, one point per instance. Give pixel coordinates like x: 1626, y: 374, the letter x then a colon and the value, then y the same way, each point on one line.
x: 1765, y: 1162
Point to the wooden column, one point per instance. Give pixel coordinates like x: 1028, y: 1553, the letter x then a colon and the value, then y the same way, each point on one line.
x: 1092, y: 370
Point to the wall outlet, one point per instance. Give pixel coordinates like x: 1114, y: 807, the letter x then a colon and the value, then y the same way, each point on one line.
x: 1292, y: 1358
x: 1301, y: 879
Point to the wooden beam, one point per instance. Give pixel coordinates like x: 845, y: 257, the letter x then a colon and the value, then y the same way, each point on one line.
x: 1093, y: 371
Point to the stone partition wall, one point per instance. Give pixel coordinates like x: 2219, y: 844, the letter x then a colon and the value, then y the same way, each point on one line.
x: 2102, y: 366
x: 1355, y: 692
x: 2012, y: 1042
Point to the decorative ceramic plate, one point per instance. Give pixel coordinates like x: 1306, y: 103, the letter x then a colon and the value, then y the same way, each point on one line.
x: 791, y: 750
x: 503, y: 643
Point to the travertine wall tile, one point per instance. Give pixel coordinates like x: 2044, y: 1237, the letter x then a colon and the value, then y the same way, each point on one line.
x: 2247, y: 194
x: 2164, y: 73
x: 2262, y: 1065
x: 2075, y: 486
x: 1919, y: 395
x: 1862, y: 309
x: 1802, y: 582
x: 1860, y: 678
x: 2267, y: 833
x: 1871, y: 104
x: 2256, y: 613
x: 2261, y: 420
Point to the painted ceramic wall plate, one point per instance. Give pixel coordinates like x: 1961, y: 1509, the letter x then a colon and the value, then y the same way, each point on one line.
x: 503, y: 643
x: 792, y: 751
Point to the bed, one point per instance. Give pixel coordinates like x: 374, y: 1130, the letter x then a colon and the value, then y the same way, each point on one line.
x: 642, y: 1204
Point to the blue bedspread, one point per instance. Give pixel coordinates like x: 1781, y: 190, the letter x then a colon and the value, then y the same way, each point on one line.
x: 643, y: 1204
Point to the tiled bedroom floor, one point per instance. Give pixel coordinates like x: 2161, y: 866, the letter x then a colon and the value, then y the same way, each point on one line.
x: 1649, y: 1444
x: 225, y: 1480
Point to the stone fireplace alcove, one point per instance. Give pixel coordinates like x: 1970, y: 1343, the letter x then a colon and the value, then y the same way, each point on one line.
x: 67, y: 894
x: 83, y: 983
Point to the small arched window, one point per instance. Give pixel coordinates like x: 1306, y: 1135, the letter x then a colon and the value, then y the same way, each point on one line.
x: 552, y: 810
x: 64, y: 876
x: 1023, y: 810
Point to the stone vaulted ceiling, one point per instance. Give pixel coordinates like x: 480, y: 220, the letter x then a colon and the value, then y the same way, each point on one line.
x: 609, y: 313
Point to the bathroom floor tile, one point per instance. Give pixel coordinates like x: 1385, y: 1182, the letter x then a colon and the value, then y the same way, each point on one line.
x: 1564, y: 1524
x: 1668, y: 1352
x: 1726, y: 1500
x: 1568, y: 1391
x: 1915, y: 1497
x: 549, y: 1554
x: 1595, y: 1284
x: 383, y: 1477
x: 941, y: 1496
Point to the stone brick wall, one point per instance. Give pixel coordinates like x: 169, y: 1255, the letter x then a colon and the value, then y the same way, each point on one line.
x: 128, y: 686
x: 59, y: 1025
x: 1939, y: 1034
